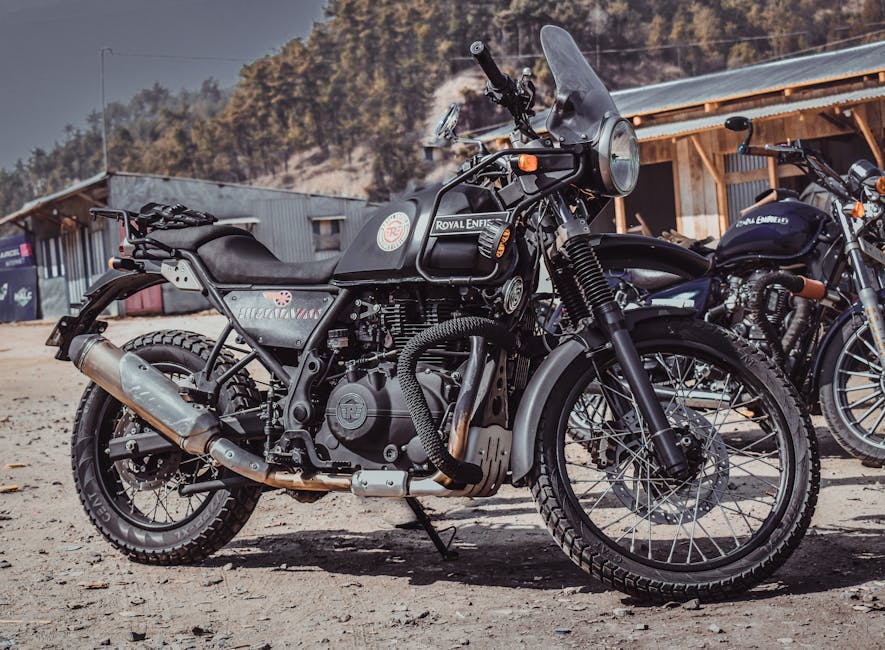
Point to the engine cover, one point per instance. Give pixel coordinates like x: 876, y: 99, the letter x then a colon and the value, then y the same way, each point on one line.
x: 367, y: 419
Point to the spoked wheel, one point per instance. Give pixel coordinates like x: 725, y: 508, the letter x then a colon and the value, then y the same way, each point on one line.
x: 137, y: 503
x: 852, y: 393
x: 754, y: 475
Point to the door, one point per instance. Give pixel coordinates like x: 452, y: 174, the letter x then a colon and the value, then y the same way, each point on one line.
x: 147, y: 301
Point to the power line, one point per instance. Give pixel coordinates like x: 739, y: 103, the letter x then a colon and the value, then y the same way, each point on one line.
x: 144, y: 55
x: 653, y: 48
x: 819, y: 47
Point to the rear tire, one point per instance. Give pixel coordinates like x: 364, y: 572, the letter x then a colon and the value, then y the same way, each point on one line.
x: 852, y: 393
x: 114, y: 494
x: 609, y: 445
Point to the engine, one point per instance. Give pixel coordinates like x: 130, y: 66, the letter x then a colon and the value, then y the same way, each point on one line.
x: 367, y: 423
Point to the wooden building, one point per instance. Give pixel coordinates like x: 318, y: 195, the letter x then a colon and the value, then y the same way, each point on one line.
x: 693, y: 180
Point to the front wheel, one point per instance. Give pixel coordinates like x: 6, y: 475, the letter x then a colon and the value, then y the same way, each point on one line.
x: 852, y: 393
x: 754, y: 475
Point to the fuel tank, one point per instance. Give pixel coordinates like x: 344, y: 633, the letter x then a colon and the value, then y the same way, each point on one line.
x: 388, y: 245
x: 783, y: 232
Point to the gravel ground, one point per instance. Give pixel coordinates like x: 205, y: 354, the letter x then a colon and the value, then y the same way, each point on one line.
x: 338, y: 572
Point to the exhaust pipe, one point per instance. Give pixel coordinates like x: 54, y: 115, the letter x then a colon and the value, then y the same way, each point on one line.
x: 155, y: 398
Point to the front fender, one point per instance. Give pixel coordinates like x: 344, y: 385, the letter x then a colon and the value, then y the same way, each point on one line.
x: 113, y: 285
x: 543, y: 382
x: 831, y: 336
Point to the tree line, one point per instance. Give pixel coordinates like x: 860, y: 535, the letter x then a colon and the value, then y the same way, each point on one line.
x: 366, y: 73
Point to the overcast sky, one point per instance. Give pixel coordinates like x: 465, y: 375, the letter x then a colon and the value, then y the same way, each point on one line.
x: 49, y: 59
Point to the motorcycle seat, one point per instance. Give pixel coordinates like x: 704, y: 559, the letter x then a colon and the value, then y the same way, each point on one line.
x: 233, y: 255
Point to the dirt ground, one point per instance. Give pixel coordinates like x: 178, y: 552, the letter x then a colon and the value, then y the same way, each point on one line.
x: 339, y: 573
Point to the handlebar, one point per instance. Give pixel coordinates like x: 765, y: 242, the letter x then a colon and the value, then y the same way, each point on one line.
x: 483, y: 57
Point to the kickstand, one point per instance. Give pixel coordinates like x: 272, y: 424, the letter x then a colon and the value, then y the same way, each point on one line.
x: 443, y: 548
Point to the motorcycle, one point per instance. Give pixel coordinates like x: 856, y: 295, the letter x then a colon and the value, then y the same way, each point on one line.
x: 804, y: 285
x: 665, y: 455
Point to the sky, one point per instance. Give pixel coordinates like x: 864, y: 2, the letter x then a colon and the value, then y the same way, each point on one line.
x: 49, y: 54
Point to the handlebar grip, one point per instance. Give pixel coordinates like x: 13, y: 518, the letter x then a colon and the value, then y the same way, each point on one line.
x: 483, y: 57
x: 755, y: 150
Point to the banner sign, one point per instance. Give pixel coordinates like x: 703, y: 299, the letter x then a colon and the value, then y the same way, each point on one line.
x: 18, y: 294
x: 16, y: 252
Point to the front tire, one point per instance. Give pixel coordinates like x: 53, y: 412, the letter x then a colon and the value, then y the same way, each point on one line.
x: 134, y: 503
x: 852, y: 393
x: 734, y: 521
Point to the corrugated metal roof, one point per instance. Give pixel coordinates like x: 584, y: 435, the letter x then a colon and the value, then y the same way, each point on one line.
x: 39, y: 202
x: 741, y: 82
x: 35, y: 204
x: 715, y: 121
x: 752, y: 80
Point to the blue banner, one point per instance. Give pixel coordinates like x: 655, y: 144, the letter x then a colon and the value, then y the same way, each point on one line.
x: 18, y: 294
x: 16, y: 252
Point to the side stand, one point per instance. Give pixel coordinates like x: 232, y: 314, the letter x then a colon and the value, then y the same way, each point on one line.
x: 441, y: 546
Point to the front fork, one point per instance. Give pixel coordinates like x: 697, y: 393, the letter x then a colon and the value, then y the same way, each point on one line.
x: 573, y: 233
x: 867, y: 289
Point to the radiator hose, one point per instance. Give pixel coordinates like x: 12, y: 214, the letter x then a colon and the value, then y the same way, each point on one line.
x: 426, y: 428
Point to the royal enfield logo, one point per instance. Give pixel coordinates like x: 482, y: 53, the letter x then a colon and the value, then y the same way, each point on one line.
x: 393, y: 232
x: 762, y: 220
x: 280, y: 298
x: 351, y: 411
x: 460, y: 224
x: 23, y: 296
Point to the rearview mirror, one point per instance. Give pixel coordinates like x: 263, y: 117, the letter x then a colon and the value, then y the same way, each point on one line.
x: 445, y: 128
x: 738, y: 123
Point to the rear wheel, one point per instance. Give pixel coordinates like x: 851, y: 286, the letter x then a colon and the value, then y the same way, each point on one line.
x: 754, y: 467
x: 852, y: 393
x: 135, y: 503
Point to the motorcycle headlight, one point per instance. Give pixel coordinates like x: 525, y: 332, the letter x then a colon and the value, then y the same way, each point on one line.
x: 618, y: 157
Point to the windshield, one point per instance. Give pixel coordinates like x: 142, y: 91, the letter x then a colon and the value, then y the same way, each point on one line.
x: 582, y: 100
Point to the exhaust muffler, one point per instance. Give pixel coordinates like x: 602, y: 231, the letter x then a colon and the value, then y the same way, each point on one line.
x: 155, y: 398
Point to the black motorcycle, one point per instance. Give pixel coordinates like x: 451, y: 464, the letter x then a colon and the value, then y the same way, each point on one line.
x: 667, y: 457
x: 804, y: 285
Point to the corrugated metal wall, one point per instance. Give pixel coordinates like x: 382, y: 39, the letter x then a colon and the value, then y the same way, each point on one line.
x: 740, y: 195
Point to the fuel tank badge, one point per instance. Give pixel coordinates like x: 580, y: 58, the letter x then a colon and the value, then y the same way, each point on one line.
x: 280, y: 298
x: 393, y: 231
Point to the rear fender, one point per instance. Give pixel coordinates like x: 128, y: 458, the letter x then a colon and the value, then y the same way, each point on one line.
x: 113, y: 285
x: 566, y: 355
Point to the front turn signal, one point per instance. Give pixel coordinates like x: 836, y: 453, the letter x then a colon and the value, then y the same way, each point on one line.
x: 880, y: 185
x: 857, y: 210
x: 527, y: 163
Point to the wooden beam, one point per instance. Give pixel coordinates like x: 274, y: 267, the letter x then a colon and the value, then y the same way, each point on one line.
x: 89, y: 199
x: 860, y: 117
x: 772, y: 172
x: 677, y: 196
x: 719, y: 179
x: 620, y: 215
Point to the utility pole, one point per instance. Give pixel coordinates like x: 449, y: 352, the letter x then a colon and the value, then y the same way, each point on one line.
x: 104, y: 121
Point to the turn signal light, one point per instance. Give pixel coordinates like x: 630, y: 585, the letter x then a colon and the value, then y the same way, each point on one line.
x: 502, y: 244
x: 857, y: 211
x: 527, y: 162
x: 880, y: 185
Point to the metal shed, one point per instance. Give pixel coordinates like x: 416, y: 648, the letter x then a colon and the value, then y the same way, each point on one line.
x: 72, y: 248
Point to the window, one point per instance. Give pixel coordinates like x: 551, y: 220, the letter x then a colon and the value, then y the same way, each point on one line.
x: 326, y: 234
x: 53, y: 265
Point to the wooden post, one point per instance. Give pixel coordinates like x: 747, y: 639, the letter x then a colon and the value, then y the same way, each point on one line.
x: 677, y: 195
x: 860, y: 117
x: 772, y: 173
x: 620, y: 215
x: 719, y: 179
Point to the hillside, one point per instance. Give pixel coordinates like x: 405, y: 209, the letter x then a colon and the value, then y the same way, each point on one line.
x: 346, y: 109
